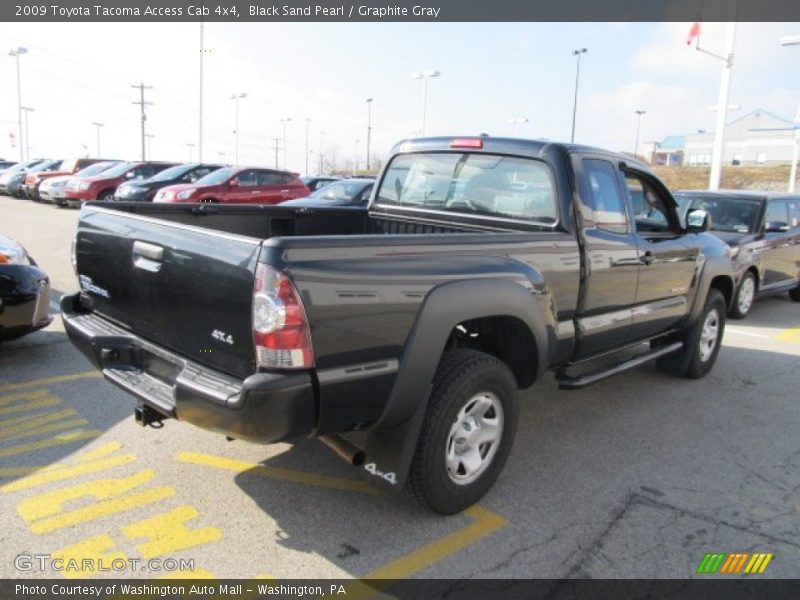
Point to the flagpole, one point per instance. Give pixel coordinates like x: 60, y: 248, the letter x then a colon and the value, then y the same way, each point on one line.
x: 722, y: 109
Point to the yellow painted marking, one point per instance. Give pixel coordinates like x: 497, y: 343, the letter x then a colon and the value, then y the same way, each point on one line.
x: 56, y: 440
x: 61, y: 472
x: 9, y: 426
x: 9, y: 398
x: 485, y: 523
x: 326, y: 481
x: 7, y: 387
x: 69, y: 424
x: 30, y: 405
x: 95, y: 549
x: 167, y: 533
x: 752, y: 566
x: 99, y: 452
x: 19, y: 471
x: 102, y: 509
x: 764, y: 564
x: 789, y: 335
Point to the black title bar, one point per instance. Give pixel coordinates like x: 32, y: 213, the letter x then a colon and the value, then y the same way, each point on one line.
x: 399, y: 10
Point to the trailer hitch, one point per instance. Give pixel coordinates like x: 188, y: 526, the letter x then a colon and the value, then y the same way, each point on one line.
x: 144, y: 416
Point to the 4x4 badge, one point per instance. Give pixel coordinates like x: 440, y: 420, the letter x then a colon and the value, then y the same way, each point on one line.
x: 222, y: 336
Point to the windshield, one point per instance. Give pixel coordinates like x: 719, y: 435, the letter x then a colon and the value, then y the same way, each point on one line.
x: 172, y: 173
x: 44, y: 166
x: 483, y: 184
x: 736, y: 215
x: 218, y: 176
x: 95, y: 168
x: 118, y: 170
x: 339, y: 191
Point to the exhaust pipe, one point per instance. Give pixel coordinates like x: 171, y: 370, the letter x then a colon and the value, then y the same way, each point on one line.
x: 344, y: 449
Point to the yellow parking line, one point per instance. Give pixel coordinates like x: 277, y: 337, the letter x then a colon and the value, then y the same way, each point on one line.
x: 60, y: 472
x: 7, y: 387
x: 789, y: 335
x: 56, y: 440
x: 19, y: 471
x: 237, y: 466
x: 15, y: 424
x: 30, y: 405
x: 49, y: 428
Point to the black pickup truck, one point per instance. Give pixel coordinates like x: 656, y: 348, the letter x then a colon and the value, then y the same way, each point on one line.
x: 480, y: 264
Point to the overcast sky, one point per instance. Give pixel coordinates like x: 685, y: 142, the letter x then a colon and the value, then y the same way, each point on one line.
x: 76, y: 73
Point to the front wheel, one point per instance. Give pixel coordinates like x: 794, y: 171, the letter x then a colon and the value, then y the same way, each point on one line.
x: 468, y: 431
x: 701, y: 343
x: 106, y: 196
x: 743, y: 302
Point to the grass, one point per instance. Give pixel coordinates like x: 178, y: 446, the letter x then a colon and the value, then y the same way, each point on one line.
x: 774, y: 178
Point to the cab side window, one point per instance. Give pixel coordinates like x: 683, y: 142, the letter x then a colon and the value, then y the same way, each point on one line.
x: 247, y: 179
x: 650, y: 213
x: 794, y: 213
x: 600, y: 188
x: 777, y: 212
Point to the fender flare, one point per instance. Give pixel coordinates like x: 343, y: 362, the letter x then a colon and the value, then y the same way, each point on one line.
x: 391, y: 441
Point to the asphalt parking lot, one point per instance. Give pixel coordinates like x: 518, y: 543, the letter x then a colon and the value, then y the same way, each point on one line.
x: 641, y: 475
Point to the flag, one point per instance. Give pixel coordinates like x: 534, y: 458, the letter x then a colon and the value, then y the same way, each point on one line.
x: 694, y: 32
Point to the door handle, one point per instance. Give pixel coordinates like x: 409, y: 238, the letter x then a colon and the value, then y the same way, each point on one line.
x: 284, y: 191
x: 147, y: 256
x: 648, y: 258
x: 255, y: 192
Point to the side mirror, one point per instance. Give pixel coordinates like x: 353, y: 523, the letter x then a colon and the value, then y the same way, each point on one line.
x: 697, y: 220
x: 233, y: 183
x: 776, y: 227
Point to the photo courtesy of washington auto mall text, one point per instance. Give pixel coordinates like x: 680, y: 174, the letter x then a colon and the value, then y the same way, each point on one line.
x: 445, y: 299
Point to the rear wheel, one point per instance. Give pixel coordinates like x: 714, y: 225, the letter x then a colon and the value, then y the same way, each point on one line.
x: 701, y: 343
x: 106, y: 196
x: 468, y: 431
x: 743, y: 301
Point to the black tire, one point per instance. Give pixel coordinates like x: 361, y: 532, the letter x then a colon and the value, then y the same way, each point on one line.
x: 105, y: 196
x: 694, y: 360
x: 795, y: 294
x: 745, y: 296
x: 463, y: 375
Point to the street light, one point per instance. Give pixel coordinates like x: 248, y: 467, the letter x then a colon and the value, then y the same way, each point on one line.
x: 516, y: 122
x: 16, y: 54
x: 285, y: 120
x: 190, y: 146
x: 425, y: 75
x: 236, y: 98
x: 355, y: 158
x: 321, y: 135
x: 97, y: 127
x: 308, y: 122
x: 27, y: 110
x: 793, y: 40
x: 576, y: 53
x: 638, y: 127
x: 369, y: 126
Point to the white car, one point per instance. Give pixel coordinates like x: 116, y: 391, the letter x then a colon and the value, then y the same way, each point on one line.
x: 51, y: 189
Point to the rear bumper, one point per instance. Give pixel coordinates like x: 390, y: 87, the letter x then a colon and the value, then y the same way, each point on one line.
x: 264, y: 408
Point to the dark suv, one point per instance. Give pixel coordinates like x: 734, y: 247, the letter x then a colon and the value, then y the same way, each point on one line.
x: 145, y: 190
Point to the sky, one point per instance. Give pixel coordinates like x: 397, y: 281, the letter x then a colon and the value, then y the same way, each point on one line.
x: 491, y: 73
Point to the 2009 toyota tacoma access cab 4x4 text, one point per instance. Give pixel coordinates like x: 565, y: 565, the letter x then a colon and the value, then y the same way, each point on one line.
x: 480, y: 264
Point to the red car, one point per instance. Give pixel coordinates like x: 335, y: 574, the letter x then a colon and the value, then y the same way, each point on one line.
x: 103, y: 185
x: 238, y: 185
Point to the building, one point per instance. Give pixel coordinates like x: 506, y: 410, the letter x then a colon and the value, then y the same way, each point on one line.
x: 757, y: 138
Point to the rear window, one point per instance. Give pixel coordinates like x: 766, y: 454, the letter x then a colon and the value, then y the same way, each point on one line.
x: 471, y: 184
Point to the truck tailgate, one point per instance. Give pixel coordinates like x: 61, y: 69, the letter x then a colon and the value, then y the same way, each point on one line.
x: 181, y: 287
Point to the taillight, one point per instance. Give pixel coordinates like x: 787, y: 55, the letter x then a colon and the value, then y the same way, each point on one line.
x: 280, y: 328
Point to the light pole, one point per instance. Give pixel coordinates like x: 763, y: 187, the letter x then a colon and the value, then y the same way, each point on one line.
x: 308, y: 123
x: 27, y: 110
x: 221, y: 156
x: 97, y: 128
x: 516, y: 122
x: 190, y: 146
x: 793, y: 40
x: 369, y: 126
x: 236, y: 98
x: 355, y: 158
x: 425, y: 75
x: 577, y: 53
x: 284, y: 120
x: 200, y: 107
x: 149, y: 137
x: 639, y: 114
x: 321, y: 135
x: 16, y: 54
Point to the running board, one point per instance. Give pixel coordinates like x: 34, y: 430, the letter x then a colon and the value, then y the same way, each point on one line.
x: 565, y: 382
